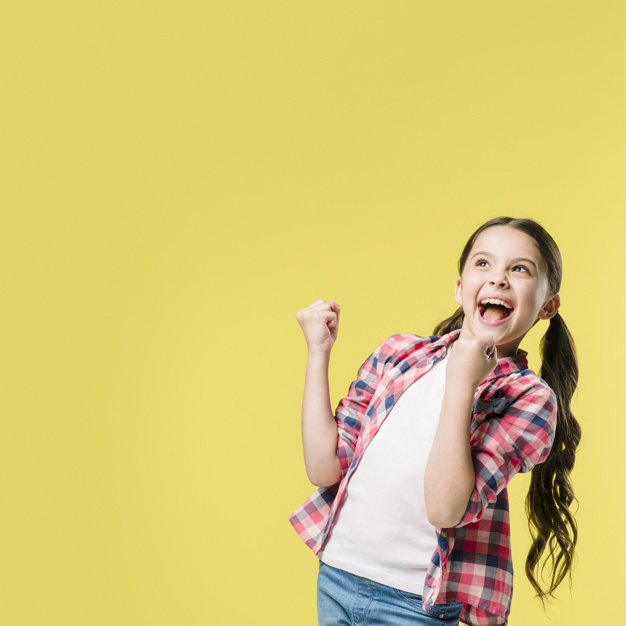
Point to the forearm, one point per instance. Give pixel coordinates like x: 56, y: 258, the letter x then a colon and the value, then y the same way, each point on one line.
x: 319, y: 429
x: 449, y: 476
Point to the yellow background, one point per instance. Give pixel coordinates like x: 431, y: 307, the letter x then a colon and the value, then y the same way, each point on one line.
x: 177, y: 179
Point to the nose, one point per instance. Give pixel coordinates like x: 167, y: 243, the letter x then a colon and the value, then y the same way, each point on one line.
x: 498, y: 280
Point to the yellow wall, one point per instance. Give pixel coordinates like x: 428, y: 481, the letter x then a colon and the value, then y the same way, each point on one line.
x: 178, y: 179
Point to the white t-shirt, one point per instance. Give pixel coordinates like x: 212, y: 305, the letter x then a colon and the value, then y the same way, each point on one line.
x: 381, y: 531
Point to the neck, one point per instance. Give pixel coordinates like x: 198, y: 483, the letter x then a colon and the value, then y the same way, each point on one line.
x: 507, y: 349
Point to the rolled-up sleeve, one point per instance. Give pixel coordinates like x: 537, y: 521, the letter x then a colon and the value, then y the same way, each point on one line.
x: 352, y: 408
x: 503, y: 445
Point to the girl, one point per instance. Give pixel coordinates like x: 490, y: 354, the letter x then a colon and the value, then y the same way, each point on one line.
x: 410, y: 521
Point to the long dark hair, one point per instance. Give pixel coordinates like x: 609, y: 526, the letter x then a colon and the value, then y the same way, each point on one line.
x: 550, y: 520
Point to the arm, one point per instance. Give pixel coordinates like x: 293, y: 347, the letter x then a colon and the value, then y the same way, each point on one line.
x: 319, y: 429
x: 320, y: 324
x: 449, y: 475
x: 329, y: 441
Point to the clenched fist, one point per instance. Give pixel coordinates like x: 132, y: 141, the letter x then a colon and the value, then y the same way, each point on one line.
x: 472, y: 358
x: 320, y: 323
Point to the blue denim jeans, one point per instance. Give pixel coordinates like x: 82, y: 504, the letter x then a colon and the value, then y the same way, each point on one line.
x: 345, y: 599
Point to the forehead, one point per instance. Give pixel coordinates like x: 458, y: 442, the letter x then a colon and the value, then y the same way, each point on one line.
x: 508, y: 243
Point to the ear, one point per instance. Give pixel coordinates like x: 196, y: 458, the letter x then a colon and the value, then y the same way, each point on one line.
x: 458, y: 291
x: 550, y: 307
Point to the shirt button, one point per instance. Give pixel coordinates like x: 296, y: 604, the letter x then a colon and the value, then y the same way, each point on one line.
x: 441, y: 615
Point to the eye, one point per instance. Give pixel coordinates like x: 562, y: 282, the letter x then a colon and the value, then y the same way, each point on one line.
x: 481, y: 263
x: 522, y: 267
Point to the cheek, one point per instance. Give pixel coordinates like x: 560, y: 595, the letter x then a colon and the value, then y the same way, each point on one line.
x: 533, y: 304
x: 471, y: 289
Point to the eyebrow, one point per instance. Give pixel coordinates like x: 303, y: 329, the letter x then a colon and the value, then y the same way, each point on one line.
x: 485, y: 253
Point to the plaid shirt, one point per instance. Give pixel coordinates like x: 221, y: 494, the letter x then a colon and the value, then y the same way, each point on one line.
x: 512, y: 430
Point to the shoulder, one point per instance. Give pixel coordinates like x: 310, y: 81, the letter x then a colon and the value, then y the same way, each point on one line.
x: 528, y: 394
x: 408, y: 340
x: 400, y: 347
x: 526, y: 382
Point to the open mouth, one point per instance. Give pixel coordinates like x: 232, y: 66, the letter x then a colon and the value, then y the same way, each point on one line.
x: 494, y: 310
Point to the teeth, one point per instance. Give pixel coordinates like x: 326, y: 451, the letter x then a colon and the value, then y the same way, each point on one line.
x: 496, y: 301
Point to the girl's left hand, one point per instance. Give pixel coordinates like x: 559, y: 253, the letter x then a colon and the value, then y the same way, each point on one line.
x: 472, y: 359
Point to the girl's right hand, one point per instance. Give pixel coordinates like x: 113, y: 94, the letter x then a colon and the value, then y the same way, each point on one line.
x: 320, y: 323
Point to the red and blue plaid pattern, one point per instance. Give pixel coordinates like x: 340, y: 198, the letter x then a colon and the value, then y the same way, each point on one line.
x: 512, y: 430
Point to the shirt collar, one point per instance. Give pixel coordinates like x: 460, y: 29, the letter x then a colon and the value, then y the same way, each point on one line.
x: 505, y: 366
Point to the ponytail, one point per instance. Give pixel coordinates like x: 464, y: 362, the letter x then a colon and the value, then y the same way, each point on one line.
x: 551, y: 523
x: 454, y: 322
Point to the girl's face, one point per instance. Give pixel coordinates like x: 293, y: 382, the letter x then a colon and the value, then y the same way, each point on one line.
x: 504, y: 287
